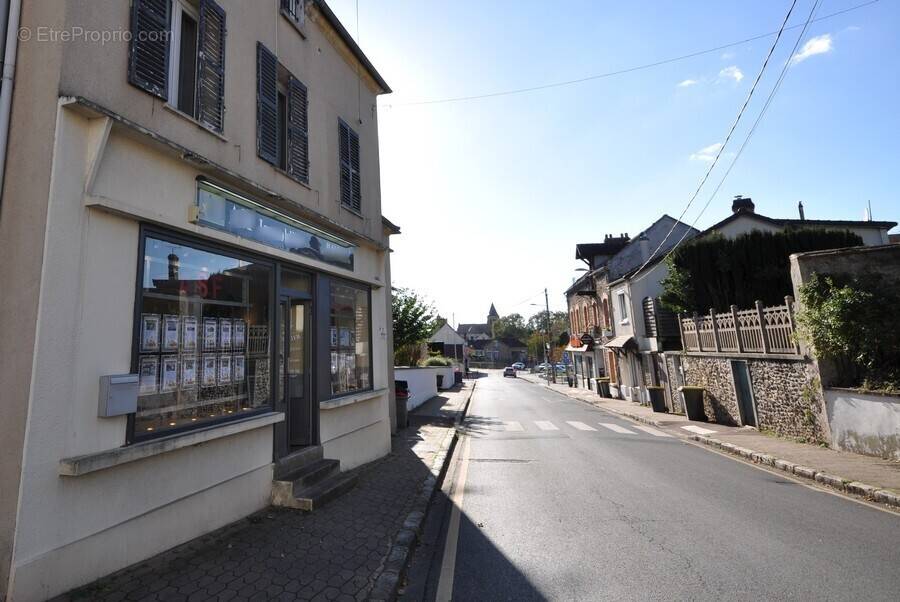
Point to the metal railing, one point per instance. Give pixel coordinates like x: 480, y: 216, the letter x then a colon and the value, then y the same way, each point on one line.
x: 766, y: 330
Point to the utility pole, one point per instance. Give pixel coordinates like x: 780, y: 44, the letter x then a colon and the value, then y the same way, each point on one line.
x: 547, y: 355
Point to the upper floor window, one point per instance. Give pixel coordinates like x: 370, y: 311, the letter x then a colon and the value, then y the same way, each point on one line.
x: 623, y: 307
x: 295, y: 10
x: 348, y: 148
x: 178, y: 54
x: 282, y: 111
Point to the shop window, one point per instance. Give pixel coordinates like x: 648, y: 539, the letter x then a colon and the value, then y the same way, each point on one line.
x: 202, y: 338
x: 351, y: 358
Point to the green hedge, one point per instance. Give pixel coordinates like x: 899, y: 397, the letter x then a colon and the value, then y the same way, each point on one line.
x: 716, y: 272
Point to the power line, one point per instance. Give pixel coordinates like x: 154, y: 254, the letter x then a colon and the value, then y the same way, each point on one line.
x: 727, y: 138
x: 762, y: 112
x: 620, y: 71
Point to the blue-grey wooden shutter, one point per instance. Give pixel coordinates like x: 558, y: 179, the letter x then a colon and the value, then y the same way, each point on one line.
x: 266, y: 104
x: 348, y: 148
x: 148, y: 53
x: 211, y: 66
x: 355, y: 183
x: 298, y: 131
x: 344, y: 154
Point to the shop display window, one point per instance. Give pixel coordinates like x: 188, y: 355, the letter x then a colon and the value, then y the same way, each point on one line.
x: 203, y: 350
x: 350, y: 346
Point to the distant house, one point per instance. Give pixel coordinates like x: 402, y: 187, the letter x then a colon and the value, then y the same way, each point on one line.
x: 506, y: 350
x: 744, y: 219
x: 448, y: 343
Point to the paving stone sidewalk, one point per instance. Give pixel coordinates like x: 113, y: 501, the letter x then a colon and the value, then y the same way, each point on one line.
x: 335, y: 553
x: 849, y: 467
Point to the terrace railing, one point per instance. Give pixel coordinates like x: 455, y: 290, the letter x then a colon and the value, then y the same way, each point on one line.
x: 764, y: 330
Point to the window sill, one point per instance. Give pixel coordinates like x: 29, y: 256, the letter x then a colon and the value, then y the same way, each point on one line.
x: 353, y: 211
x: 340, y: 402
x: 299, y: 27
x: 291, y: 177
x: 88, y: 463
x: 196, y: 122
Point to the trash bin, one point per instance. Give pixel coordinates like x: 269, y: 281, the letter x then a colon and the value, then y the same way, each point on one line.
x: 657, y: 398
x: 440, y: 381
x: 570, y: 380
x: 603, y: 387
x: 693, y: 403
x: 457, y: 377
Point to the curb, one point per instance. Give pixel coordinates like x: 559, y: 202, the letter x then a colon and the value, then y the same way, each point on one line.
x: 387, y: 584
x: 869, y: 492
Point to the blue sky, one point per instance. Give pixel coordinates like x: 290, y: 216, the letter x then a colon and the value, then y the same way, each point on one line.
x: 493, y: 194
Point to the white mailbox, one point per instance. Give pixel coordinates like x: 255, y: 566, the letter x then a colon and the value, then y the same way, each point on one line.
x: 118, y: 395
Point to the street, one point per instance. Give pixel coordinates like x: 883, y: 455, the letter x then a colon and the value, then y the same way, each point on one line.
x: 558, y: 500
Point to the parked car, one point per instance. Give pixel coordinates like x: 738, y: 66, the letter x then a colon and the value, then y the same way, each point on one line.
x: 519, y: 366
x: 543, y: 367
x: 509, y: 371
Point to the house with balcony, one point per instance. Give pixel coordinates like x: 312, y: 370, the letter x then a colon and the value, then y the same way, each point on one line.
x: 192, y: 216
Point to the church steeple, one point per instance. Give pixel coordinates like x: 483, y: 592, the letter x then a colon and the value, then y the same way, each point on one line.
x: 492, y: 317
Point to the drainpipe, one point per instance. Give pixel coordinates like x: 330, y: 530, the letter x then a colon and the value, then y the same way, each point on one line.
x: 9, y: 70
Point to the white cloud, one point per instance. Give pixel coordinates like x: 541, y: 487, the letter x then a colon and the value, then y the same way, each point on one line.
x: 817, y: 45
x: 707, y: 153
x: 732, y: 72
x: 688, y: 82
x: 727, y: 55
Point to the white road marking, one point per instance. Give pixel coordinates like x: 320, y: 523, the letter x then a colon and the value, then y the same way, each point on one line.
x: 448, y: 562
x: 617, y: 429
x: 513, y: 426
x: 581, y: 426
x: 651, y: 430
x: 545, y: 425
x: 698, y: 429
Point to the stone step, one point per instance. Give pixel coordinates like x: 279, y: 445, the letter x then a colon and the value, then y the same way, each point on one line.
x: 297, y: 460
x: 311, y: 474
x: 316, y: 496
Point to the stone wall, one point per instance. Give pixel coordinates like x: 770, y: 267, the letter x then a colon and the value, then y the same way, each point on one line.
x: 672, y: 383
x: 714, y: 375
x: 787, y: 393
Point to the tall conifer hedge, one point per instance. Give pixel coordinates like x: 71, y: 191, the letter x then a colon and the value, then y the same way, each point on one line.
x: 716, y: 272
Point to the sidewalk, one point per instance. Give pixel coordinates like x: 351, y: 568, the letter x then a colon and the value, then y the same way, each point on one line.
x: 870, y: 477
x: 354, y: 548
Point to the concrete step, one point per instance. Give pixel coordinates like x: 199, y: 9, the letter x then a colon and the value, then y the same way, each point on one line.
x: 297, y: 460
x: 311, y: 474
x: 316, y: 496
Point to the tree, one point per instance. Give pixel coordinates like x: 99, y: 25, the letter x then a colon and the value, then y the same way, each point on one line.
x: 559, y: 323
x: 511, y: 326
x: 414, y: 321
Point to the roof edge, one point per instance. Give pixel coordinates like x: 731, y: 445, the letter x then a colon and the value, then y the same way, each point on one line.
x: 351, y: 44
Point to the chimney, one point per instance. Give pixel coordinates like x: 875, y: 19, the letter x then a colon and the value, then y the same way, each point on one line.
x: 800, y: 208
x: 741, y: 204
x: 644, y: 242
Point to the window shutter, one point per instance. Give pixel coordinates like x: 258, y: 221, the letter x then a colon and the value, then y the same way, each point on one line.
x: 298, y: 131
x: 266, y: 104
x: 344, y: 151
x: 211, y: 66
x: 351, y: 188
x: 355, y: 184
x: 148, y: 55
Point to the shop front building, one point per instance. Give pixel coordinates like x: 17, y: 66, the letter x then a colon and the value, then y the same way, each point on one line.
x: 202, y: 295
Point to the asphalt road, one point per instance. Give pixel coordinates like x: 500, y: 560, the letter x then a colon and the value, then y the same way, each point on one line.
x: 563, y: 501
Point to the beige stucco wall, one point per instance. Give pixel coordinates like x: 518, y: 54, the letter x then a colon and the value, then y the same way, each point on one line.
x: 69, y: 315
x: 22, y: 224
x: 99, y: 72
